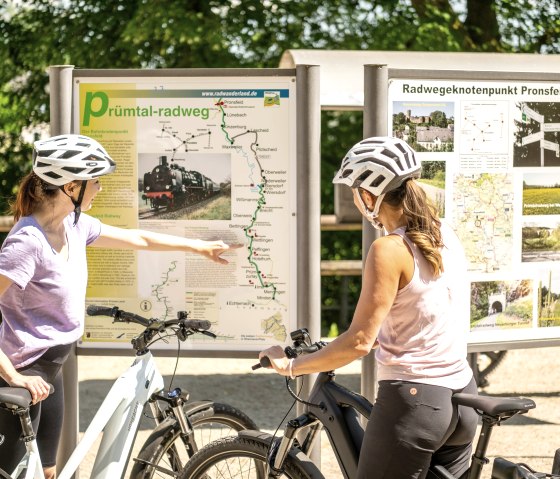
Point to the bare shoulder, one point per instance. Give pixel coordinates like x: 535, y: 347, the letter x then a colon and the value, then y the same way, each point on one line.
x: 390, y: 254
x: 389, y: 245
x: 384, y: 267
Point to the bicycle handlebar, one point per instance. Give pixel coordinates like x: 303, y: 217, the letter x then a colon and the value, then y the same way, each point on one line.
x: 95, y: 310
x: 291, y: 352
x: 118, y: 315
x: 124, y: 316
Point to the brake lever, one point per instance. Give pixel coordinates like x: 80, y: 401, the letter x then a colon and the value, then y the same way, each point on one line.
x: 207, y: 333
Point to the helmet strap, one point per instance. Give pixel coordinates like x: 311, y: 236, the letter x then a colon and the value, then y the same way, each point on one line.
x: 77, y: 203
x: 372, y: 215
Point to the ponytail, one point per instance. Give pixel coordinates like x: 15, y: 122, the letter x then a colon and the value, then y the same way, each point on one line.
x: 423, y: 225
x: 32, y: 191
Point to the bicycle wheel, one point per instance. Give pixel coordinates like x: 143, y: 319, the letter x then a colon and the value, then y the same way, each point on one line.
x: 165, y: 448
x: 486, y: 363
x: 244, y: 457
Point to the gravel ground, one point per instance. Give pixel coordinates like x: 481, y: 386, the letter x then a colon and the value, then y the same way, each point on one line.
x: 533, y: 373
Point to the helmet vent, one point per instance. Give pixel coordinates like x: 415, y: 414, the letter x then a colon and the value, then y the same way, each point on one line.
x: 95, y: 170
x: 346, y: 173
x: 405, y: 153
x: 394, y: 157
x: 380, y: 179
x: 69, y: 154
x: 362, y: 177
x: 46, y: 153
x: 52, y: 174
x: 361, y: 152
x: 73, y: 169
x: 40, y: 164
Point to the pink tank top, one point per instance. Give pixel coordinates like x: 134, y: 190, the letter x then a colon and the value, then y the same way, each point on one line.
x: 423, y: 338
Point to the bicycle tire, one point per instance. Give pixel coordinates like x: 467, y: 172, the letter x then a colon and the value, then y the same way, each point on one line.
x: 244, y: 457
x: 164, y: 446
x: 486, y: 363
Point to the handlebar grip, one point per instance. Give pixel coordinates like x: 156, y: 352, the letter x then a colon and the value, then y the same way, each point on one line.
x: 264, y: 362
x: 95, y: 310
x: 200, y: 324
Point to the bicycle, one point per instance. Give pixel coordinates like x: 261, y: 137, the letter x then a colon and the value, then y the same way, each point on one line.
x: 180, y: 424
x: 341, y: 413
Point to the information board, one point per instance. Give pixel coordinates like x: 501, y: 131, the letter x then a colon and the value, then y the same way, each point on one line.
x: 199, y: 157
x: 491, y: 164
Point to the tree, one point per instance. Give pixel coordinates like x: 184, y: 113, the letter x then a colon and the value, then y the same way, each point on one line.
x: 439, y: 119
x: 248, y: 33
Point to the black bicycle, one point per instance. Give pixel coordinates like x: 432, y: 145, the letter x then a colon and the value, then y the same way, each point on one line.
x: 340, y: 412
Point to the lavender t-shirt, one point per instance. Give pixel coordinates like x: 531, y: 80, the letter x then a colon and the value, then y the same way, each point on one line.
x: 45, y: 304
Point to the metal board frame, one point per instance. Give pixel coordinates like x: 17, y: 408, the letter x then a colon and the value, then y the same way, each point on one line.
x: 307, y: 170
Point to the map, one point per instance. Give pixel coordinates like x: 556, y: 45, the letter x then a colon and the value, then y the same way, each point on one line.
x: 483, y: 219
x: 484, y: 127
x: 158, y: 294
x: 210, y: 159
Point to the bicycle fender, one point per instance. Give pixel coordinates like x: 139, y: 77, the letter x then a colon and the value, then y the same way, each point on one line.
x: 192, y: 407
x: 169, y: 423
x: 295, y: 452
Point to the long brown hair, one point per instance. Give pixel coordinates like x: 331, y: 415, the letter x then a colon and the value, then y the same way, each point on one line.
x: 422, y: 221
x: 32, y: 191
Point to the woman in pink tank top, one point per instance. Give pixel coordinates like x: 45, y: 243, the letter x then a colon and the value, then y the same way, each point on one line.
x: 413, y: 292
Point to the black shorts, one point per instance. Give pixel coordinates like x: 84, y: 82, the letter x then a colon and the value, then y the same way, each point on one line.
x: 414, y: 425
x: 46, y: 415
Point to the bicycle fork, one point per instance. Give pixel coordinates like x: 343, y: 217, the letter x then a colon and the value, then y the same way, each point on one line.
x: 279, y: 448
x: 175, y: 399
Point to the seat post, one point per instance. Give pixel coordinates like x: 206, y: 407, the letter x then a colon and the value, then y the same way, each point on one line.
x: 28, y: 434
x: 479, y: 459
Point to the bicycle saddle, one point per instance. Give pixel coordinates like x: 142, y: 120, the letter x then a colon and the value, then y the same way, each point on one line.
x: 494, y: 406
x: 11, y: 397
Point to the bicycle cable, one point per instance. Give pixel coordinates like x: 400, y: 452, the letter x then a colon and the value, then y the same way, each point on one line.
x: 160, y: 337
x: 297, y: 398
x: 285, y: 415
x: 176, y: 363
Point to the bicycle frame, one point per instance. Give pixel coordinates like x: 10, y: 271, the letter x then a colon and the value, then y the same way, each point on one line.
x: 339, y: 411
x: 118, y: 417
x: 339, y: 415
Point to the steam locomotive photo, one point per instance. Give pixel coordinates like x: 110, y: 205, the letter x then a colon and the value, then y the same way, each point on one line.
x: 173, y: 186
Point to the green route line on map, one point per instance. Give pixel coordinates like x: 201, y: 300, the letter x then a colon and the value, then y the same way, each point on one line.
x: 260, y: 202
x: 220, y: 105
x: 157, y: 288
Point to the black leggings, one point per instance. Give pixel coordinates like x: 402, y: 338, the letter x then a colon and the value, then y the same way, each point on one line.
x: 414, y: 425
x: 46, y: 415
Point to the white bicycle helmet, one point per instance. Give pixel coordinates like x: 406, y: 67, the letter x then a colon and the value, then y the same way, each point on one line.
x: 65, y: 158
x: 378, y: 165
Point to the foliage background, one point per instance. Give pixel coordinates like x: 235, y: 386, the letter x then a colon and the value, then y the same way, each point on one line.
x: 242, y: 33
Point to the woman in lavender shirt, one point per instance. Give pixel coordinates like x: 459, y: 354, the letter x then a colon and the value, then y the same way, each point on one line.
x: 43, y: 277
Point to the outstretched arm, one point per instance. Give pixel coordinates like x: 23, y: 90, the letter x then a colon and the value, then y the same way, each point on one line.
x: 121, y: 238
x: 380, y: 284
